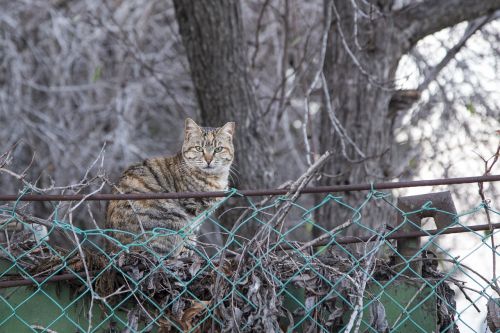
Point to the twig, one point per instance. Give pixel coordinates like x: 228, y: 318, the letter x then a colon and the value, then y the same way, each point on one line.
x: 324, y: 41
x: 325, y: 235
x: 286, y: 28
x: 488, y: 166
x: 292, y: 195
x: 454, y: 261
x: 367, y: 272
x: 353, y: 57
x: 339, y: 129
x: 467, y: 297
x: 471, y: 29
x: 257, y: 32
x: 408, y: 304
x: 41, y: 328
x: 87, y: 272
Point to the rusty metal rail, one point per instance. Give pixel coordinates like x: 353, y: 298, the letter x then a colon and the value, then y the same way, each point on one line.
x: 249, y: 193
x: 40, y: 280
x: 401, y: 235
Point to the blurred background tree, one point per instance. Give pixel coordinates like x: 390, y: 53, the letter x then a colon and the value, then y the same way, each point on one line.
x: 393, y: 88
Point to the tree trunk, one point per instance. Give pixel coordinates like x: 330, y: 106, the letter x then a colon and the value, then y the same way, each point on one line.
x: 212, y: 34
x: 361, y: 105
x: 360, y: 72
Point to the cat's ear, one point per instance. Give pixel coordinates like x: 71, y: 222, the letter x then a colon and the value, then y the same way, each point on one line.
x: 191, y: 127
x: 228, y: 128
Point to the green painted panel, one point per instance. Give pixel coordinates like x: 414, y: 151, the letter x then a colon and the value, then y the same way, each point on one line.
x: 57, y: 307
x: 409, y: 306
x: 54, y: 307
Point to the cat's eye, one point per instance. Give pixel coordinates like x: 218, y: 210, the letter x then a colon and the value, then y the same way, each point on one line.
x: 199, y: 148
x: 218, y: 150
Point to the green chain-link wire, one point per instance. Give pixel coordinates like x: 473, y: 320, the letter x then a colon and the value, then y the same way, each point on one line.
x: 377, y: 290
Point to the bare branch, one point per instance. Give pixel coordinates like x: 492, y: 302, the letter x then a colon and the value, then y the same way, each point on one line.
x: 472, y: 28
x: 427, y: 17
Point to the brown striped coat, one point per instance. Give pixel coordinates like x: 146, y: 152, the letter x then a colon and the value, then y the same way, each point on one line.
x: 165, y: 225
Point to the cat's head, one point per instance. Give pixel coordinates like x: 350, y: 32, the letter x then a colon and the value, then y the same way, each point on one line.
x: 209, y: 149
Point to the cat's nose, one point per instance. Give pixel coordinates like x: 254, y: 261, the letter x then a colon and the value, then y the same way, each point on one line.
x: 209, y: 158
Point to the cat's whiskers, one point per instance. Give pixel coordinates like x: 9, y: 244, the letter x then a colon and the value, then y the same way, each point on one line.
x: 233, y: 173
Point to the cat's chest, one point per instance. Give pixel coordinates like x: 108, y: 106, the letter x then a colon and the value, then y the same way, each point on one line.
x: 221, y: 185
x: 209, y: 184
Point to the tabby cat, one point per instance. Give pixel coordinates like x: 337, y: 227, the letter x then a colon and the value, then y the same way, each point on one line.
x: 202, y: 165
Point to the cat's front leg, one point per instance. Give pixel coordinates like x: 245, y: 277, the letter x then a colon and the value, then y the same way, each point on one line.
x: 191, y: 206
x: 189, y: 246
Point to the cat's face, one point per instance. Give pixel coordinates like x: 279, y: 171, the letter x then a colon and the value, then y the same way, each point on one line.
x: 209, y: 149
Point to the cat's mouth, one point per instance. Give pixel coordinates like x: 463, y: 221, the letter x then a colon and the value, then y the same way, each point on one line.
x: 210, y: 169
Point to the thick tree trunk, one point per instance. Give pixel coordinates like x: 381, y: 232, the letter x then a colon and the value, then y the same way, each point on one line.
x: 359, y: 85
x: 212, y: 34
x: 360, y: 72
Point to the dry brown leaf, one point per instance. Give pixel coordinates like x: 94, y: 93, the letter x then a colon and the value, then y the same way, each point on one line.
x: 193, y: 311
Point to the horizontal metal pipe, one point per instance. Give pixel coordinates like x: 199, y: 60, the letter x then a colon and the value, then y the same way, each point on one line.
x: 339, y: 240
x: 35, y: 280
x: 248, y: 193
x: 399, y: 235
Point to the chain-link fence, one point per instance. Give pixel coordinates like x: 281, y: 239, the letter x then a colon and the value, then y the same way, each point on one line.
x: 403, y: 275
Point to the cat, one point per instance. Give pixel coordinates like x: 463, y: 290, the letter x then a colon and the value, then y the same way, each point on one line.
x: 203, y: 164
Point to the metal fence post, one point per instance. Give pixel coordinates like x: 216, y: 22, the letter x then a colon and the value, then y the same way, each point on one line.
x: 442, y: 210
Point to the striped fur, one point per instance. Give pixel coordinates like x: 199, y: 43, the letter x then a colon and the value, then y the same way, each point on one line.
x: 202, y: 165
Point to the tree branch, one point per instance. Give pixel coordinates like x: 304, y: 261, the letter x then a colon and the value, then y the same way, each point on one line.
x: 429, y: 16
x: 472, y: 28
